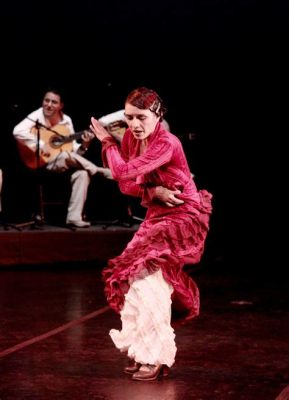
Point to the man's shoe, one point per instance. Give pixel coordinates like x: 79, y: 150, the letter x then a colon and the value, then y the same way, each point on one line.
x: 78, y: 224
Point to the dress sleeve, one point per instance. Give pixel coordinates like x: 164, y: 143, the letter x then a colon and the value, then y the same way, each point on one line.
x: 131, y: 188
x: 155, y: 156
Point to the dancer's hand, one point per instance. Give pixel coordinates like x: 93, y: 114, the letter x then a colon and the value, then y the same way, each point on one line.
x: 98, y: 130
x: 167, y: 196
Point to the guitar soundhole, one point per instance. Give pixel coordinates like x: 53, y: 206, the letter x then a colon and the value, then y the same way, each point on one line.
x: 56, y: 141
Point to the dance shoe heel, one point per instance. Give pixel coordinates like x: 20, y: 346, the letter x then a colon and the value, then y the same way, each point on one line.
x: 165, y: 371
x: 154, y: 372
x: 132, y: 367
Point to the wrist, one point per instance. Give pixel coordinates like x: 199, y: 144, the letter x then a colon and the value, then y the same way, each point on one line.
x: 83, y: 148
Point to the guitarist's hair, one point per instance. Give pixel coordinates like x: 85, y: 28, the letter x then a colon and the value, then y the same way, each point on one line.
x: 56, y: 91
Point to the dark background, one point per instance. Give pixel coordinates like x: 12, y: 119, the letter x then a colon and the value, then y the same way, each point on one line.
x: 220, y: 66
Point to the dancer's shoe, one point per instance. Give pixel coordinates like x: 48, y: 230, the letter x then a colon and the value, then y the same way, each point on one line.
x: 151, y: 372
x: 132, y: 367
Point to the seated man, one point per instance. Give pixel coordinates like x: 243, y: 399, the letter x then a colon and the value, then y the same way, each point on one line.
x: 46, y: 138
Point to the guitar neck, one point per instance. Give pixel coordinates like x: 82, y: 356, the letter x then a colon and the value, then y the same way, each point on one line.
x: 73, y: 136
x: 116, y: 130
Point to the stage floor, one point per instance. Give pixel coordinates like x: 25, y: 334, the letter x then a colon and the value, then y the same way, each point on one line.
x: 46, y: 244
x: 54, y: 341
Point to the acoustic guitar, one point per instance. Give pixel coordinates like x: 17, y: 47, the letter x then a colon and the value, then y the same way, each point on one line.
x: 57, y: 140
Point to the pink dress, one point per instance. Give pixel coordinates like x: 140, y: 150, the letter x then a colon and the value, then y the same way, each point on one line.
x: 169, y: 237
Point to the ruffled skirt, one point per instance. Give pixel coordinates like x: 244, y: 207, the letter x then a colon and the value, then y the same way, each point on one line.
x: 146, y: 334
x: 163, y: 242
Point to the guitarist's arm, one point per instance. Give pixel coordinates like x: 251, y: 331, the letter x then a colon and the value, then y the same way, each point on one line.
x: 23, y: 131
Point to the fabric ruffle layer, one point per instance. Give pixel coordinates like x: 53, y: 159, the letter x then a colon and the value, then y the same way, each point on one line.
x: 146, y: 334
x: 167, y: 243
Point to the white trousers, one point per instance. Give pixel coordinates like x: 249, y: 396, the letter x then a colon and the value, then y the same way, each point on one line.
x: 80, y: 180
x: 147, y: 335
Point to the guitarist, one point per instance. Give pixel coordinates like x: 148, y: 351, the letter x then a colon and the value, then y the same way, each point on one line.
x: 50, y: 119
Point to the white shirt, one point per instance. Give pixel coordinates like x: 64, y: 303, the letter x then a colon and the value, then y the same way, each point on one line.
x: 23, y: 131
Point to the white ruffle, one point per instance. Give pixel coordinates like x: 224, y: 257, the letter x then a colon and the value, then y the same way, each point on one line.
x: 146, y: 333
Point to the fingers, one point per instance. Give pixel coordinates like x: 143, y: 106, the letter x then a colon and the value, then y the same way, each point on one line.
x: 91, y: 126
x: 87, y: 136
x: 95, y: 123
x: 98, y: 130
x: 174, y: 201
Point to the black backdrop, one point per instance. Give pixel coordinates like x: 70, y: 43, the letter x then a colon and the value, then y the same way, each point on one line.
x: 220, y: 67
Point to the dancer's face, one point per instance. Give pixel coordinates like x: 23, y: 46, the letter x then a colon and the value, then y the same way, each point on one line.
x: 142, y: 123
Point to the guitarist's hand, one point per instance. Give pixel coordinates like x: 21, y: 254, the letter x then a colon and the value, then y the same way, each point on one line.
x: 45, y: 151
x: 86, y: 139
x: 99, y: 131
x: 87, y: 136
